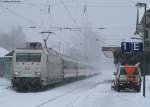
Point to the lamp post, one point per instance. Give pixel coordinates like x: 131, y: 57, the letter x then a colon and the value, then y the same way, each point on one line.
x: 139, y: 5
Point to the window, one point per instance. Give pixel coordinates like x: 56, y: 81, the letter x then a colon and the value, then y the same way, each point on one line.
x: 28, y: 57
x: 123, y: 71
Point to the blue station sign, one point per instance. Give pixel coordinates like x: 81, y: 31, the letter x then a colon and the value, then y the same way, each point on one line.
x: 132, y: 46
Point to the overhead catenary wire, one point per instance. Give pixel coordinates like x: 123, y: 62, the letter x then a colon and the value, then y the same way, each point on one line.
x: 72, y: 18
x: 84, y: 10
x: 77, y: 4
x: 60, y: 28
x: 63, y: 2
x: 22, y: 17
x: 19, y: 15
x: 120, y: 5
x: 94, y: 5
x: 68, y: 11
x: 10, y: 1
x: 44, y: 5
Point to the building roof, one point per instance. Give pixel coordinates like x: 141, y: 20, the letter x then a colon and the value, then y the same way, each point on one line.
x: 141, y: 21
x: 142, y: 12
x: 3, y: 52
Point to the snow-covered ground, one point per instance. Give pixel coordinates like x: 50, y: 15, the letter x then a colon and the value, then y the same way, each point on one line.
x: 92, y: 92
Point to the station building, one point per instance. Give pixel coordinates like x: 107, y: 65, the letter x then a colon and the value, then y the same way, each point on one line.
x: 140, y: 27
x: 5, y: 63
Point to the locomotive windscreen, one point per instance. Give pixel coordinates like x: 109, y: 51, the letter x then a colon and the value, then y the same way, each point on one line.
x: 28, y: 57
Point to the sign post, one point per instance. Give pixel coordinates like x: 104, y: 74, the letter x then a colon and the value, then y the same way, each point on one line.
x: 144, y: 85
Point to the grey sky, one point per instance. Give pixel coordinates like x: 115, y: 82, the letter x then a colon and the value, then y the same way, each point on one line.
x: 117, y: 16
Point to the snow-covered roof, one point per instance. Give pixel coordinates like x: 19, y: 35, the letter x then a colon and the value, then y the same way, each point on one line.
x: 3, y: 52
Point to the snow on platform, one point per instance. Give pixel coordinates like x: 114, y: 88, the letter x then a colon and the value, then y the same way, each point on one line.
x: 4, y: 82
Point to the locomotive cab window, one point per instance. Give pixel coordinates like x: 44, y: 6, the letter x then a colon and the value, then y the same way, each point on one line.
x: 28, y: 57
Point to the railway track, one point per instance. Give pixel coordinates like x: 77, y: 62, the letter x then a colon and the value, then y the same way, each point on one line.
x: 70, y: 92
x: 57, y: 97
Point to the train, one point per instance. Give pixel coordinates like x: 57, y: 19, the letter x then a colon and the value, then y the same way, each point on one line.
x: 37, y: 66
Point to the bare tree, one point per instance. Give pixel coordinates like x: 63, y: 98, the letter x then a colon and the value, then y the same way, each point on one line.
x: 13, y: 39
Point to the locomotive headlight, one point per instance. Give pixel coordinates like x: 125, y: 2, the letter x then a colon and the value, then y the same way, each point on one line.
x: 16, y: 73
x: 37, y: 73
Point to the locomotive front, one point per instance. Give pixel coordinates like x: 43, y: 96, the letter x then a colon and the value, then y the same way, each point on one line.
x: 26, y: 67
